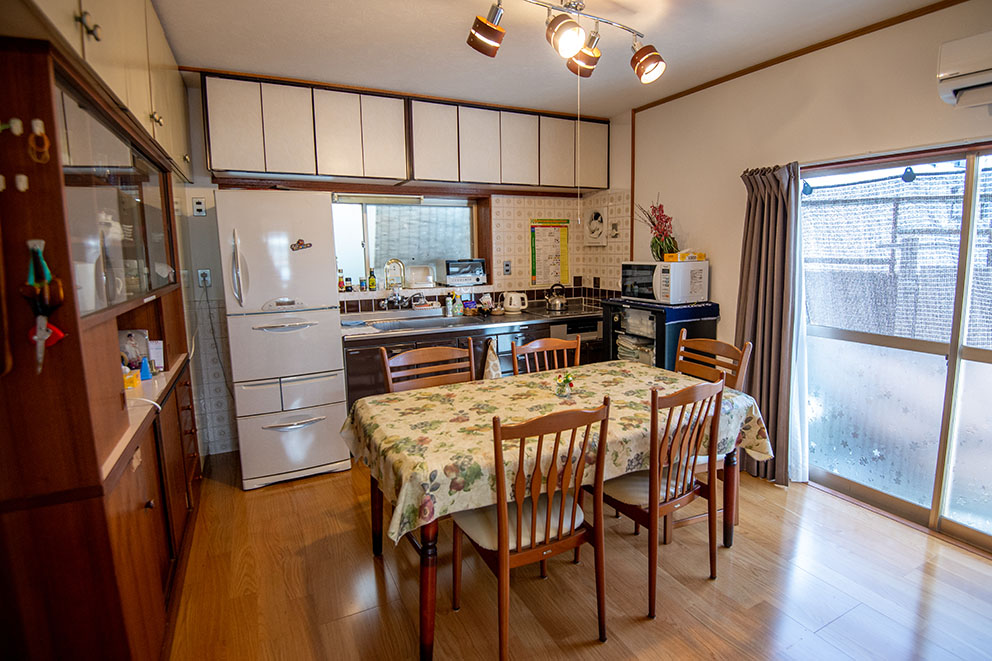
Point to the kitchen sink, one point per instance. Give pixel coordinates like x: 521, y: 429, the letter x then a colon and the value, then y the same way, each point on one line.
x: 421, y: 323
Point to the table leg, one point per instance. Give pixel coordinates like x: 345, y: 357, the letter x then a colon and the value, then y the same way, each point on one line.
x: 731, y: 487
x: 376, y: 493
x: 428, y: 588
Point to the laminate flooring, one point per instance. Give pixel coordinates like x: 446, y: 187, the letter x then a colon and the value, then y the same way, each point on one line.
x: 286, y: 572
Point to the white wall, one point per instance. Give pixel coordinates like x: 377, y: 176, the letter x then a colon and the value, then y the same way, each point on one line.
x: 873, y: 94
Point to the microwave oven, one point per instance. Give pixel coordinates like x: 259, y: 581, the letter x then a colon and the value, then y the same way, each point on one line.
x: 671, y: 283
x: 462, y: 272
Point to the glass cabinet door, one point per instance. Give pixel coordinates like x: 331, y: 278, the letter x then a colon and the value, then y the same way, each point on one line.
x: 119, y: 233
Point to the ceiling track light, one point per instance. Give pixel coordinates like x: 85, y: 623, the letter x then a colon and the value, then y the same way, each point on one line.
x: 646, y: 62
x: 568, y: 39
x: 486, y: 35
x: 584, y: 62
x: 565, y: 35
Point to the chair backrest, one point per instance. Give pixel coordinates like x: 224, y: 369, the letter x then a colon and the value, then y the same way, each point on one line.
x: 548, y: 348
x: 430, y: 366
x: 565, y: 457
x: 688, y: 413
x: 710, y: 359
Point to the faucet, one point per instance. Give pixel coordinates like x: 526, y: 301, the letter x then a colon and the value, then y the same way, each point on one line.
x: 386, y: 269
x: 400, y: 300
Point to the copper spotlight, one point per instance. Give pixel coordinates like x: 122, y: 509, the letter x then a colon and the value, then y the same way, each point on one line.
x: 565, y: 35
x: 486, y: 34
x: 647, y: 63
x: 584, y: 62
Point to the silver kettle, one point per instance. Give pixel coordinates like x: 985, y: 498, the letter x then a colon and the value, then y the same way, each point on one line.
x: 556, y: 301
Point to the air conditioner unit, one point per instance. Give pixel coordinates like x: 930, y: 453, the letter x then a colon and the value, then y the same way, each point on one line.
x: 965, y: 75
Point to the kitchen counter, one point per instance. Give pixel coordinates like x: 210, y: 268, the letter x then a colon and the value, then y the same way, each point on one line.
x: 363, y: 363
x: 424, y: 322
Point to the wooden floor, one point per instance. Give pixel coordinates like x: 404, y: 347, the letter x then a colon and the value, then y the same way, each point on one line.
x: 286, y: 572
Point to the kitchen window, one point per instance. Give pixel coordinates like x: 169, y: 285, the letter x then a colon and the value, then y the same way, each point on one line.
x: 368, y: 231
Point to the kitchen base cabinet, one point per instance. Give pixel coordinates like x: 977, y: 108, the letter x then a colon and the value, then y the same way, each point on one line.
x: 138, y: 542
x: 363, y: 366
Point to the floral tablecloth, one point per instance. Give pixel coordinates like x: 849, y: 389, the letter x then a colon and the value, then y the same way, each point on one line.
x: 432, y: 449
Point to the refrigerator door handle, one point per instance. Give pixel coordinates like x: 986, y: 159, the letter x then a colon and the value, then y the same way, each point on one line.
x: 295, y: 325
x: 290, y: 426
x: 236, y: 271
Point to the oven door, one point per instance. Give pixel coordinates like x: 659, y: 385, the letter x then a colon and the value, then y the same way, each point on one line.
x: 639, y: 282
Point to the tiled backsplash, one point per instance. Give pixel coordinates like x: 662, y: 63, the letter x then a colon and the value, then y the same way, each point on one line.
x: 511, y: 237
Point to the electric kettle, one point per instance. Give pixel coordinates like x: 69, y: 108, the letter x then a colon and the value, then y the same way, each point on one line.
x: 514, y: 302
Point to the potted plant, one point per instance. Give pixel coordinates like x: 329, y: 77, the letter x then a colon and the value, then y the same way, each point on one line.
x: 662, y: 239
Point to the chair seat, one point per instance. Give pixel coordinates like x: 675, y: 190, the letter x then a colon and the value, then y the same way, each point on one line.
x: 633, y: 488
x: 482, y: 527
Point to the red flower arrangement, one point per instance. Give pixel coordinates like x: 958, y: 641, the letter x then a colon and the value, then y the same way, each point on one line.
x: 662, y: 237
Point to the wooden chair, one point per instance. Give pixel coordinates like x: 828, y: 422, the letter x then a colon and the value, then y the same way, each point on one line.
x: 670, y: 480
x: 545, y: 517
x: 430, y: 366
x: 549, y: 349
x: 709, y: 360
x: 418, y: 368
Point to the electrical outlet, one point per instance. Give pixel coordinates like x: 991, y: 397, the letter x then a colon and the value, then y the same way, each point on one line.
x: 506, y: 268
x: 203, y: 277
x: 200, y: 207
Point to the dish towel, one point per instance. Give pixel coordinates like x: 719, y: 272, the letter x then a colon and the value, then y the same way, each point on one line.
x: 491, y: 369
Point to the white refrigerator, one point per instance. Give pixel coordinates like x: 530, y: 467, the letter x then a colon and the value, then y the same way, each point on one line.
x: 284, y: 328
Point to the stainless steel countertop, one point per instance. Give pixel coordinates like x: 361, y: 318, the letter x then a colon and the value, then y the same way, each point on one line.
x: 536, y: 313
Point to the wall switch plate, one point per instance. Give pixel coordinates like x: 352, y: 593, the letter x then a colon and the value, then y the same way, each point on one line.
x: 506, y: 268
x: 199, y: 206
x: 203, y: 277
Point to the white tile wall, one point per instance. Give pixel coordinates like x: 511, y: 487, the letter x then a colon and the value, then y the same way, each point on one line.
x: 511, y: 236
x: 214, y: 404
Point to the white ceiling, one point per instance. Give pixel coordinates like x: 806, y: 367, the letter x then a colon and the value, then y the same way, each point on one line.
x: 418, y: 46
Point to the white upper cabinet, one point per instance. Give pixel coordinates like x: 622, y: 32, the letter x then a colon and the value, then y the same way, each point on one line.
x: 557, y: 152
x: 62, y: 14
x: 169, y: 112
x: 337, y: 118
x: 478, y: 145
x: 384, y: 137
x: 234, y: 123
x: 287, y: 127
x: 518, y: 148
x: 435, y: 141
x: 594, y: 155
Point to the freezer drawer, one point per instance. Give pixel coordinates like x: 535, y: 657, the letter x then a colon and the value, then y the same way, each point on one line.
x: 264, y: 346
x: 255, y: 397
x: 291, y: 441
x: 312, y: 390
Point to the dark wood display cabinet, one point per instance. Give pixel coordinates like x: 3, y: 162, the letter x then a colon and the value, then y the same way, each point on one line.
x: 98, y: 488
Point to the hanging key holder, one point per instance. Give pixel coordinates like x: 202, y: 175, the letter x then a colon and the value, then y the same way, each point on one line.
x: 44, y: 293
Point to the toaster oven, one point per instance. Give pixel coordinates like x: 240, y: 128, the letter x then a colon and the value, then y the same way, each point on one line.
x: 462, y: 272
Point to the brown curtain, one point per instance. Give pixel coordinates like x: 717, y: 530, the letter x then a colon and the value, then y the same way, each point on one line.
x: 765, y: 303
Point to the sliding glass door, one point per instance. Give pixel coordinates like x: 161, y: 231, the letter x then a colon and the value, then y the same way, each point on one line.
x: 894, y: 413
x: 967, y: 503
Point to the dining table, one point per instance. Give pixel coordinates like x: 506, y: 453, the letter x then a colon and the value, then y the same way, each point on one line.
x: 430, y: 451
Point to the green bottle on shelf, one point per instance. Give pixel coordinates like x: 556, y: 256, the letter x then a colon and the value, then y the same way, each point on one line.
x: 372, y: 286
